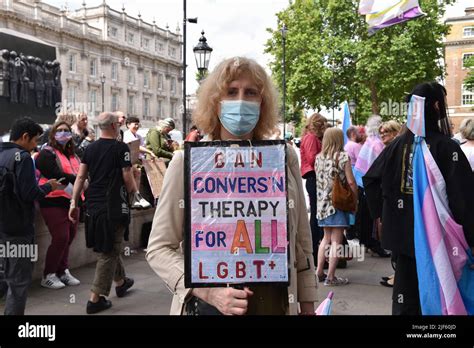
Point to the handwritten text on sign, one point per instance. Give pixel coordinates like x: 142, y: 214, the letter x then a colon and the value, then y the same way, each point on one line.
x: 238, y: 218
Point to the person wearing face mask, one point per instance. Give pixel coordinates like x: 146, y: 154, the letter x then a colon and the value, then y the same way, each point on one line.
x: 237, y: 101
x: 58, y: 161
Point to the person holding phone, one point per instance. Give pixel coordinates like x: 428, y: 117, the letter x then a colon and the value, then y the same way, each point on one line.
x: 58, y: 161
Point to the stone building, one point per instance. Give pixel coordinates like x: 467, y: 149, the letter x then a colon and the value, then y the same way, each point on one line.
x: 459, y: 46
x: 135, y: 65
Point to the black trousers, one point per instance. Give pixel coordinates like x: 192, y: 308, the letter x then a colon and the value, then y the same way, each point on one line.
x: 405, y: 298
x: 316, y: 231
x: 365, y: 223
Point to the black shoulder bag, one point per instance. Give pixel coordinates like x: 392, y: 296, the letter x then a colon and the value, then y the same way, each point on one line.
x: 118, y: 207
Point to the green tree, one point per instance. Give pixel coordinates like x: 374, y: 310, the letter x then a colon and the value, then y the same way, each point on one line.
x: 469, y: 81
x: 331, y: 58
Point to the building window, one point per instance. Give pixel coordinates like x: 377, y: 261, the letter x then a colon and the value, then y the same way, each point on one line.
x: 468, y: 32
x: 113, y: 31
x: 173, y: 85
x: 115, y: 104
x: 72, y: 62
x: 159, y: 46
x: 71, y: 96
x: 173, y: 109
x: 159, y: 112
x: 131, y: 76
x: 114, y: 74
x: 146, y: 107
x: 93, y: 67
x: 467, y: 96
x: 172, y: 52
x: 131, y: 38
x: 146, y: 79
x: 465, y: 58
x: 146, y: 43
x: 160, y: 81
x: 131, y: 105
x: 92, y: 101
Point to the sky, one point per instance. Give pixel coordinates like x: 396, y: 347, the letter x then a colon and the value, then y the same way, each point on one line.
x: 231, y: 27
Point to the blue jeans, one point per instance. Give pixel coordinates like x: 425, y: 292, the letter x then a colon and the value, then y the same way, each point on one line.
x: 16, y: 274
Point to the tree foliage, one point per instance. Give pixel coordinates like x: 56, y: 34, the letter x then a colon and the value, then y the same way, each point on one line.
x: 330, y: 58
x: 469, y: 81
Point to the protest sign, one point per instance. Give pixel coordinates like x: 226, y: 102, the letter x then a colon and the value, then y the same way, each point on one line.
x: 236, y: 213
x: 155, y: 171
x: 134, y: 147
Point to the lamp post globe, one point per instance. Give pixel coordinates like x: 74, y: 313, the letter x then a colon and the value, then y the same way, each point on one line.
x: 202, y: 53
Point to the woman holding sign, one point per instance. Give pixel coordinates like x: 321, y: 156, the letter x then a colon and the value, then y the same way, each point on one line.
x: 237, y: 101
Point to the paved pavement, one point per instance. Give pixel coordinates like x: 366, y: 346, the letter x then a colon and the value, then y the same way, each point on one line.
x: 149, y: 296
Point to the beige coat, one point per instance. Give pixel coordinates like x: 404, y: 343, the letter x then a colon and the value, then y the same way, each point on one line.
x: 165, y: 246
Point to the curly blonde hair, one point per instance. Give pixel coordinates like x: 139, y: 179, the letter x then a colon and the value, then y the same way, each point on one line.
x: 316, y: 124
x: 214, y: 87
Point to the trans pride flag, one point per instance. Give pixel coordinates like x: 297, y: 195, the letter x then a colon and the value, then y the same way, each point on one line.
x: 385, y: 13
x: 369, y: 152
x: 346, y: 121
x: 443, y: 257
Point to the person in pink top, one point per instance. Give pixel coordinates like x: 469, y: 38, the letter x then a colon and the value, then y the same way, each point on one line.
x: 310, y: 147
x: 353, y: 146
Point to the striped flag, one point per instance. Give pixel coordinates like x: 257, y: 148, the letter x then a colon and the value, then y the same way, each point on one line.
x: 325, y: 307
x: 416, y: 115
x: 369, y: 152
x: 443, y: 257
x: 385, y: 13
x: 346, y: 122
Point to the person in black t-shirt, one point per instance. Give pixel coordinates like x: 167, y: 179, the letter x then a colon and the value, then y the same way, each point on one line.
x: 101, y: 158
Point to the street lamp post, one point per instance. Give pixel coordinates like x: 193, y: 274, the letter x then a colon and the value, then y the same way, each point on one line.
x: 102, y: 80
x: 202, y: 53
x: 284, y: 30
x: 185, y: 20
x: 352, y: 109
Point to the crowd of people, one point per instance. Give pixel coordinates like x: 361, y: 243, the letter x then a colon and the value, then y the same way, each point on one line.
x: 45, y: 166
x: 352, y: 189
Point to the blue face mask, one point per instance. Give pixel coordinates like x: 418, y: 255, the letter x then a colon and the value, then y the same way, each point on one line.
x: 239, y: 117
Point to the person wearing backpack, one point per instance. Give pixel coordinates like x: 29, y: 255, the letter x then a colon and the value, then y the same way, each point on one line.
x: 58, y: 160
x: 107, y: 163
x: 18, y: 192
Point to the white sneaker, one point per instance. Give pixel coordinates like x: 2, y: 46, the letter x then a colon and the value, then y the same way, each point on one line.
x: 144, y: 203
x: 52, y: 282
x: 139, y: 202
x: 68, y: 279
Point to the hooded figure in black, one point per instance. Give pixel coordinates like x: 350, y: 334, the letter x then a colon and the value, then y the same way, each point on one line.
x: 389, y: 189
